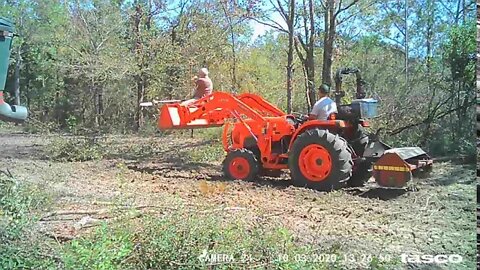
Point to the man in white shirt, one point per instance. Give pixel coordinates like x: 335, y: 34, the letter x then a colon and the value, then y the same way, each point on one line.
x: 324, y: 106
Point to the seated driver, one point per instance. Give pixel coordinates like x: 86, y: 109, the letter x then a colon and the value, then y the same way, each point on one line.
x: 324, y: 106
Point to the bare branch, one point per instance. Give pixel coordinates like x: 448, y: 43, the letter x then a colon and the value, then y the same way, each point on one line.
x: 272, y: 25
x: 299, y: 53
x: 300, y: 40
x: 340, y: 10
x: 339, y: 6
x: 429, y: 118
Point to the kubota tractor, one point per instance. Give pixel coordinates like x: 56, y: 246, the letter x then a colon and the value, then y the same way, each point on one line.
x: 259, y: 138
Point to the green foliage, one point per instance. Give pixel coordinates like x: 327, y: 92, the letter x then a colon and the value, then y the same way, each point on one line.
x: 177, y: 241
x: 191, y: 241
x: 17, y: 201
x: 86, y: 65
x: 106, y: 250
x: 75, y: 149
x: 71, y: 123
x: 459, y: 52
x: 207, y: 153
x: 36, y: 126
x: 14, y: 207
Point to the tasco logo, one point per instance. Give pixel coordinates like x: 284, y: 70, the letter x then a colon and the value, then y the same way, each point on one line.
x: 432, y: 259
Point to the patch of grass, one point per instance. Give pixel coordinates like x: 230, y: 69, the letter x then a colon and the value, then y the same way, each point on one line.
x: 212, y: 151
x: 20, y: 248
x: 207, y: 153
x: 35, y: 126
x: 75, y: 149
x: 106, y: 250
x: 197, y: 241
x: 209, y: 133
x: 184, y: 242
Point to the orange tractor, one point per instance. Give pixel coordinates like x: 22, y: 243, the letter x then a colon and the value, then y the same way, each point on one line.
x: 259, y: 138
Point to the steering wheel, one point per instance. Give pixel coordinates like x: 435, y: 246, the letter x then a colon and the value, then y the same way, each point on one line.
x: 300, y: 118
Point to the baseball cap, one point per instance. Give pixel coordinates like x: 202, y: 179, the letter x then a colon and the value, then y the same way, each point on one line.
x: 324, y: 88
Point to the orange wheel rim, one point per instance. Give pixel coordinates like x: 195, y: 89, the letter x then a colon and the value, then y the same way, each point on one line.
x: 239, y: 168
x: 315, y: 162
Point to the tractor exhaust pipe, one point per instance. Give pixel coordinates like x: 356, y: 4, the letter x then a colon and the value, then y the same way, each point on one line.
x: 360, y: 84
x: 8, y: 113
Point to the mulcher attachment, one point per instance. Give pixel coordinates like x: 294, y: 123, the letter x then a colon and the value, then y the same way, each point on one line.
x: 397, y: 165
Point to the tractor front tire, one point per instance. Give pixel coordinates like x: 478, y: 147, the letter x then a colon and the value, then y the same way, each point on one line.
x: 241, y: 164
x: 320, y: 160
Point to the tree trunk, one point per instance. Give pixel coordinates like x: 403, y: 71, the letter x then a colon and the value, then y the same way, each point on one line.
x: 234, y: 63
x: 406, y: 46
x: 329, y: 39
x: 291, y: 20
x: 140, y: 89
x: 97, y: 91
x: 289, y: 86
x: 139, y: 117
x: 100, y: 103
x: 429, y: 37
x: 234, y: 54
x: 310, y: 67
x: 17, y: 78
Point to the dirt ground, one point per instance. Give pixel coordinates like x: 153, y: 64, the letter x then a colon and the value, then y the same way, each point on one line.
x: 435, y: 216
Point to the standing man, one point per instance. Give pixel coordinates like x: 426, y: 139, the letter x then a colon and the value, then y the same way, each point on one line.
x: 203, y: 86
x: 324, y: 106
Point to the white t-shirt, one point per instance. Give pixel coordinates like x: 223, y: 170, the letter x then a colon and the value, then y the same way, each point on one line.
x: 324, y: 107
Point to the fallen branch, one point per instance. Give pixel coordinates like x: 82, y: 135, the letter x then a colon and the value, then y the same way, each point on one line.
x: 140, y: 207
x: 7, y: 173
x: 222, y: 209
x: 79, y: 212
x: 100, y: 211
x: 274, y: 214
x: 99, y: 222
x: 59, y: 238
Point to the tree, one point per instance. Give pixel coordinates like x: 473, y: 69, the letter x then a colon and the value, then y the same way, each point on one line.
x: 144, y: 49
x: 96, y: 52
x: 287, y: 12
x: 332, y: 10
x: 307, y: 45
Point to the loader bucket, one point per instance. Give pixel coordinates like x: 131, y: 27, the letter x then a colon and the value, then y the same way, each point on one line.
x: 397, y: 165
x: 8, y: 113
x: 172, y: 116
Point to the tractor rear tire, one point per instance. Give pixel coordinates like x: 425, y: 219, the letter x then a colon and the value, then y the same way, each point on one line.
x: 361, y: 141
x: 320, y: 160
x: 361, y: 175
x: 241, y: 164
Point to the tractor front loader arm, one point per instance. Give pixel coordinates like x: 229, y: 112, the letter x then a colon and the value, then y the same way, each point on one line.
x: 210, y: 111
x: 254, y: 117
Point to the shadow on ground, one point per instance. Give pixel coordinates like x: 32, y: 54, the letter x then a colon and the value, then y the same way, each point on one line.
x: 377, y: 193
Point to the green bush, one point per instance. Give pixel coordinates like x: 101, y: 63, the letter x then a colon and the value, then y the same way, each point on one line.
x: 104, y: 251
x: 184, y: 241
x: 16, y: 202
x: 18, y: 249
x: 75, y: 149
